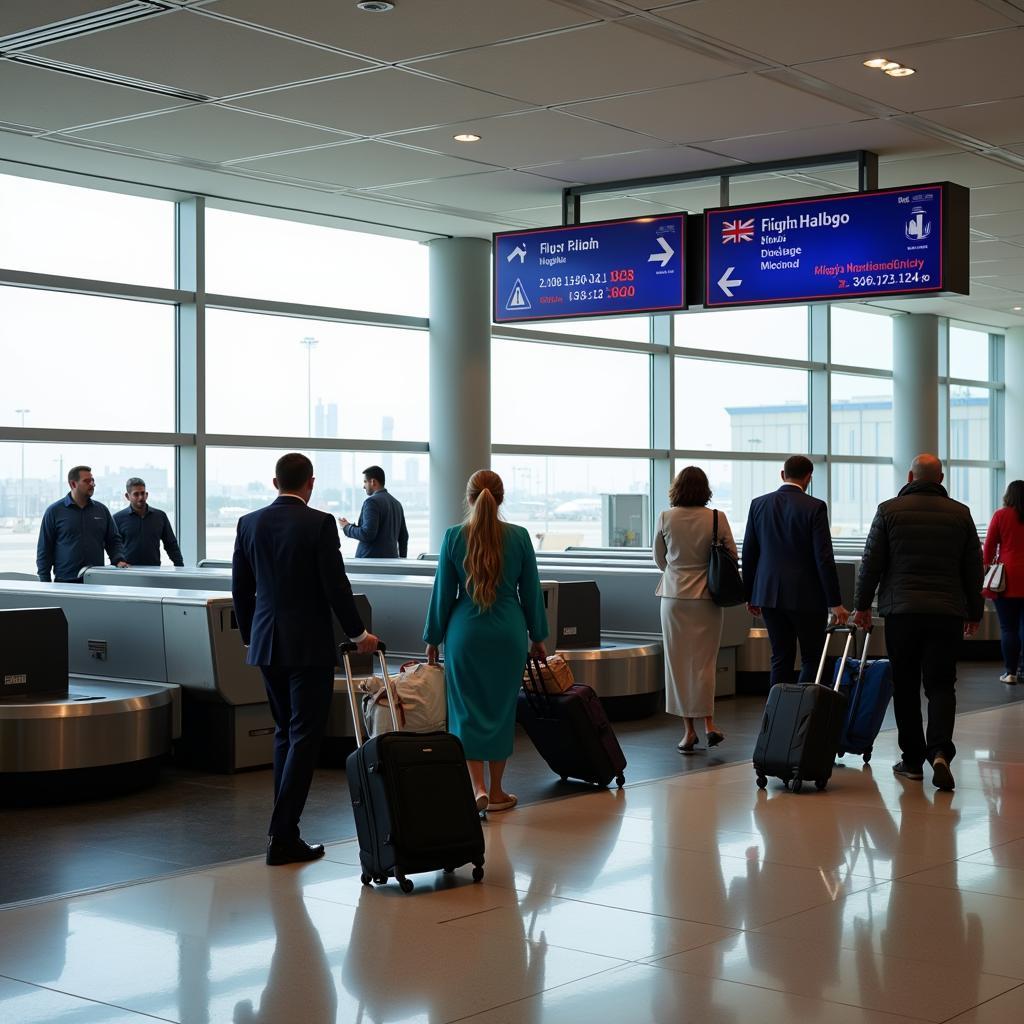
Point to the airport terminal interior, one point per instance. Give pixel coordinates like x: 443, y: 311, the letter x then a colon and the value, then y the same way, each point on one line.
x: 585, y: 243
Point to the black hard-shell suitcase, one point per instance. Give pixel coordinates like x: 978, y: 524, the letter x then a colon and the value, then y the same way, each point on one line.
x: 802, y: 727
x: 571, y: 731
x: 412, y: 799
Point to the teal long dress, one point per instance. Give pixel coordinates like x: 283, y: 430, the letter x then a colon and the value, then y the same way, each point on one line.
x: 485, y: 651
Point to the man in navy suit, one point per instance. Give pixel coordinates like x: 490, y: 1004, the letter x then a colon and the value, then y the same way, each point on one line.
x: 789, y: 571
x: 381, y: 530
x: 287, y: 579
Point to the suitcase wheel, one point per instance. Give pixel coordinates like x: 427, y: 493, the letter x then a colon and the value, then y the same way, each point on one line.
x: 365, y: 879
x: 762, y: 782
x: 840, y: 753
x: 478, y: 873
x: 620, y: 781
x: 449, y: 871
x: 820, y: 784
x: 797, y: 784
x: 405, y: 884
x: 381, y: 879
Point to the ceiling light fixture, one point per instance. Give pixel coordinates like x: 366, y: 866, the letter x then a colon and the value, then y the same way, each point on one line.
x: 375, y: 6
x: 877, y: 62
x: 1017, y: 309
x: 890, y: 67
x: 900, y: 72
x: 466, y: 137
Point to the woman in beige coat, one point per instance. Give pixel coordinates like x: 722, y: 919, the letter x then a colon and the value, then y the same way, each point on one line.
x: 690, y: 621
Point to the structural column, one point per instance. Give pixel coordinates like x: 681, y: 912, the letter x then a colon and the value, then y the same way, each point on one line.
x: 1013, y: 368
x: 460, y: 374
x: 915, y: 387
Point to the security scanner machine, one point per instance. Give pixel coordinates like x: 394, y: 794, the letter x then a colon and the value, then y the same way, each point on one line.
x: 56, y: 723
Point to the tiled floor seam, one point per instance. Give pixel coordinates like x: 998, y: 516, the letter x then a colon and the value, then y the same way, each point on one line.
x: 984, y: 1002
x: 94, y: 1002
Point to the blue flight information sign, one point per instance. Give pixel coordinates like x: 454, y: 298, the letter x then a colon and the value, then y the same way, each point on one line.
x: 602, y: 269
x: 901, y: 241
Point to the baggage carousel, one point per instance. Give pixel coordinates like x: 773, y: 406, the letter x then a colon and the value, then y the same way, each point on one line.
x: 628, y: 675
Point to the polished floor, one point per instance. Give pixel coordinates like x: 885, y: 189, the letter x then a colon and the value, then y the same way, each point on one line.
x: 695, y: 898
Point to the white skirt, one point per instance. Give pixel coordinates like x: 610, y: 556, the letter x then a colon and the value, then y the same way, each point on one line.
x: 693, y: 631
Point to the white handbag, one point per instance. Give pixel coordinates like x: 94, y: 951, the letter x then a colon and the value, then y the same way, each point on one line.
x: 995, y: 578
x: 420, y: 700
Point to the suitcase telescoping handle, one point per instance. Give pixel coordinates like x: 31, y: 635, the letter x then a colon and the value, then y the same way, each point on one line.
x: 851, y: 632
x: 346, y: 651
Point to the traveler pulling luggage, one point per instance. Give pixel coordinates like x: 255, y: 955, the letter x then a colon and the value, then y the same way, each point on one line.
x: 570, y: 730
x: 412, y: 798
x: 868, y: 688
x: 802, y: 727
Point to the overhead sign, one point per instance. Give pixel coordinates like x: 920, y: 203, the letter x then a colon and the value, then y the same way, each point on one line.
x: 904, y: 241
x: 602, y: 269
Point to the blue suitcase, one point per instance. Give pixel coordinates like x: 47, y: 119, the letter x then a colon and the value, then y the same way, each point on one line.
x: 868, y: 687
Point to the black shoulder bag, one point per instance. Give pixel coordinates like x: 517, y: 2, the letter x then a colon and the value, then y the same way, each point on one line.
x: 725, y: 583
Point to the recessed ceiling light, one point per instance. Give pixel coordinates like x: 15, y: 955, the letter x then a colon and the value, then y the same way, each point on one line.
x: 890, y: 65
x: 1017, y: 309
x: 899, y: 72
x: 466, y: 137
x: 375, y: 6
x: 877, y: 62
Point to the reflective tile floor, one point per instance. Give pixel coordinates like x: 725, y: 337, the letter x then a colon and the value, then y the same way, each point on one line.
x: 692, y: 899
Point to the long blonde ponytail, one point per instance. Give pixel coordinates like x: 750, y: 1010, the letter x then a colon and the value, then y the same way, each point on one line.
x: 485, y: 539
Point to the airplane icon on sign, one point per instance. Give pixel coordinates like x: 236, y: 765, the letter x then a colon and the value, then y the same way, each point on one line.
x: 520, y: 251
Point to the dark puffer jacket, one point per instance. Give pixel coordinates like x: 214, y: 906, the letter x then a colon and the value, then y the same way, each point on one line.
x: 923, y: 552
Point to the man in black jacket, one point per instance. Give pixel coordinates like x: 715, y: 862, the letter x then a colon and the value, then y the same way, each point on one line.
x: 924, y: 557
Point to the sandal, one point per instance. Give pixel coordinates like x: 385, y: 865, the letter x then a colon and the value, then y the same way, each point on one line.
x: 503, y: 805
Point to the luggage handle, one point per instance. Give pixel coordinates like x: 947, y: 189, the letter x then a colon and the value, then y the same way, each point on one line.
x: 533, y: 686
x: 350, y: 684
x: 851, y: 632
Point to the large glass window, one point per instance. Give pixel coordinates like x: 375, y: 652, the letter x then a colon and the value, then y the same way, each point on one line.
x: 777, y: 332
x: 33, y: 475
x: 969, y: 431
x: 616, y: 328
x: 598, y: 381
x: 860, y: 338
x: 80, y: 361
x: 740, y: 407
x: 292, y: 262
x: 567, y: 501
x: 861, y: 415
x: 311, y: 378
x: 239, y: 480
x: 734, y: 485
x: 857, y: 490
x: 51, y: 228
x: 968, y: 353
x: 973, y: 486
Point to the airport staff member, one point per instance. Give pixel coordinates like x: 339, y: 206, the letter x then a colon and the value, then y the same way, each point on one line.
x: 381, y: 531
x: 142, y: 528
x: 287, y: 579
x: 789, y: 571
x: 924, y: 558
x: 75, y: 531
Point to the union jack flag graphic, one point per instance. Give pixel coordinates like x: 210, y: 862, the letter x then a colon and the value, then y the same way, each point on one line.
x: 738, y: 231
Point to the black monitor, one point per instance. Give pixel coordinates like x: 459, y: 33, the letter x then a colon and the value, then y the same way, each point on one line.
x: 33, y: 654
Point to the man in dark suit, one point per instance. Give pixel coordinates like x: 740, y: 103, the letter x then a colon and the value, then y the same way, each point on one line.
x: 789, y: 571
x: 287, y: 579
x: 381, y: 529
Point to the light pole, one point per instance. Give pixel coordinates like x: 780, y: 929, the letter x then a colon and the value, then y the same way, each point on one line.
x: 310, y: 344
x: 22, y: 504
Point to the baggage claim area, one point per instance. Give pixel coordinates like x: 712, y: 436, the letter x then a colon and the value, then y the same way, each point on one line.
x: 585, y: 245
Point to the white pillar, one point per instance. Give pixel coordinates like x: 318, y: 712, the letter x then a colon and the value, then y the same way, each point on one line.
x: 915, y: 390
x: 460, y: 374
x: 1014, y: 403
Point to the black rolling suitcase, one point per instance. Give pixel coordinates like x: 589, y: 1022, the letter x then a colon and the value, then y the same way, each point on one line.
x: 802, y: 727
x: 412, y: 799
x: 571, y: 731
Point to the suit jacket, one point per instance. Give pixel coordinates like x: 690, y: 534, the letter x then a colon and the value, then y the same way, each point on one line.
x: 287, y: 579
x: 682, y: 545
x: 787, y: 553
x: 381, y: 530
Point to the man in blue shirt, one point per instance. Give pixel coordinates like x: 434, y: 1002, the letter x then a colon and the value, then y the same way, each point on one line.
x: 142, y: 528
x: 75, y: 531
x: 381, y: 529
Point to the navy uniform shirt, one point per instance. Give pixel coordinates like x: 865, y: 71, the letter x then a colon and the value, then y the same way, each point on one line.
x: 71, y: 538
x: 141, y: 536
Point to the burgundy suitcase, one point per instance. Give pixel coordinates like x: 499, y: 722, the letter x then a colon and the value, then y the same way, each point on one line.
x: 571, y: 732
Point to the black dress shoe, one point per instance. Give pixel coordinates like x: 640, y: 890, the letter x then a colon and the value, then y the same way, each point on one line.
x: 292, y: 851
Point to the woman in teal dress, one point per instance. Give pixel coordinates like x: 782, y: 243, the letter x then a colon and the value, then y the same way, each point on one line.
x: 485, y: 605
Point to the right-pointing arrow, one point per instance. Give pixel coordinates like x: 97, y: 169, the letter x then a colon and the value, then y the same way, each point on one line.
x: 727, y: 284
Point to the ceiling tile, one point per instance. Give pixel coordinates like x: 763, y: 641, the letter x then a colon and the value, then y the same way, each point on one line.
x: 208, y: 132
x: 1000, y: 123
x: 949, y: 73
x: 812, y: 30
x: 1000, y: 225
x: 23, y: 15
x: 997, y: 199
x: 644, y: 164
x: 188, y: 51
x: 598, y: 60
x: 522, y: 140
x: 983, y: 250
x: 1014, y: 267
x: 964, y: 169
x: 378, y: 102
x: 364, y: 164
x: 411, y: 29
x: 693, y: 198
x: 725, y: 108
x: 497, y: 190
x: 53, y: 100
x: 1012, y: 282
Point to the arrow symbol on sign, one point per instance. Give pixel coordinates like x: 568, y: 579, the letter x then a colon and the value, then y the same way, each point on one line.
x: 519, y: 251
x: 667, y: 252
x: 727, y: 284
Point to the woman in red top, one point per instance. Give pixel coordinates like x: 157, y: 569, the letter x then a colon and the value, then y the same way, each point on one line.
x: 1005, y: 543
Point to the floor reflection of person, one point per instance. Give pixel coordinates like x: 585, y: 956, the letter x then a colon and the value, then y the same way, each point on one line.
x: 299, y: 985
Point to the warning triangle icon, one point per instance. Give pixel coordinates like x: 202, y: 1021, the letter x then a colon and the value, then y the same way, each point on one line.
x: 517, y: 300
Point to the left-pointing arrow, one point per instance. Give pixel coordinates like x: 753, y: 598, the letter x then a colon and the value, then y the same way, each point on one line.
x: 727, y: 283
x: 667, y: 252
